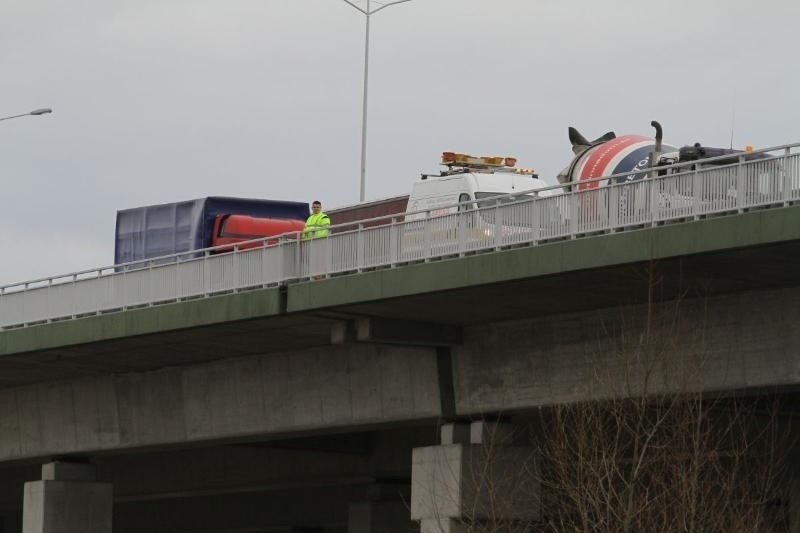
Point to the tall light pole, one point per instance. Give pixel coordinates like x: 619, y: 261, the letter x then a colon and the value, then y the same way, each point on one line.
x: 367, y: 13
x: 33, y: 113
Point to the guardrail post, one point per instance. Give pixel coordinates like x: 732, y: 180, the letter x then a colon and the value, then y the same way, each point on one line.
x: 288, y: 252
x: 461, y: 233
x: 572, y: 221
x: 124, y: 291
x: 536, y: 216
x: 206, y: 273
x: 49, y: 305
x: 99, y: 302
x: 74, y: 296
x: 696, y: 193
x: 498, y: 226
x: 279, y: 270
x: 25, y: 310
x: 652, y: 195
x: 177, y: 270
x: 328, y: 251
x: 613, y: 206
x: 236, y: 268
x: 740, y: 185
x: 605, y: 209
x: 150, y: 289
x: 426, y: 235
x: 787, y: 177
x: 393, y: 242
x: 298, y: 267
x: 361, y: 253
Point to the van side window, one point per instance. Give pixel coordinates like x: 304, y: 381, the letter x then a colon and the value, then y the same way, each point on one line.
x: 464, y: 197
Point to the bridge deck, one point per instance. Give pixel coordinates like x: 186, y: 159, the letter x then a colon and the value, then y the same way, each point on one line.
x: 760, y: 249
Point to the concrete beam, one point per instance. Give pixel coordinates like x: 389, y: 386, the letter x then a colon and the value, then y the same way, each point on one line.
x: 343, y: 332
x: 734, y: 343
x: 455, y: 433
x: 390, y: 331
x: 491, y: 433
x: 61, y: 471
x: 344, y: 387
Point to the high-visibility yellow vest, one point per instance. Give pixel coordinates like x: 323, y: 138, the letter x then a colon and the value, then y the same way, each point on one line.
x: 316, y: 226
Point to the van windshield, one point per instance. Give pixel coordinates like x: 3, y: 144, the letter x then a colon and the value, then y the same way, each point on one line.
x: 490, y: 200
x: 512, y: 217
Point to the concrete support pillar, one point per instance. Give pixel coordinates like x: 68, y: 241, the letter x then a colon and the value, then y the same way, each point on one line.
x: 378, y: 517
x: 794, y: 505
x: 793, y: 480
x: 68, y: 499
x: 478, y: 475
x: 386, y: 510
x: 443, y: 525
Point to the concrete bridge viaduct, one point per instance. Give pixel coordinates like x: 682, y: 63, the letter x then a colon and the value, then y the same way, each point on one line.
x: 297, y: 408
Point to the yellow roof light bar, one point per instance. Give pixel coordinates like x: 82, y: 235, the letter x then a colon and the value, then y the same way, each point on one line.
x: 457, y: 158
x: 486, y: 163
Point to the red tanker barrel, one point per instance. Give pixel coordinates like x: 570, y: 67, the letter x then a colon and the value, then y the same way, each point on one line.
x: 230, y: 229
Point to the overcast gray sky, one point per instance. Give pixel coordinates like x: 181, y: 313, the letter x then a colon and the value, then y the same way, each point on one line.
x: 164, y: 100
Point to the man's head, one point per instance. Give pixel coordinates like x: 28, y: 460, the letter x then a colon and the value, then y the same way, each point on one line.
x: 316, y: 206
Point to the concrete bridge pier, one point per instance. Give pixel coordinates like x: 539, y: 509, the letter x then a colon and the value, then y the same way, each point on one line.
x: 793, y: 510
x: 68, y: 499
x: 378, y: 517
x: 478, y: 475
x: 385, y: 510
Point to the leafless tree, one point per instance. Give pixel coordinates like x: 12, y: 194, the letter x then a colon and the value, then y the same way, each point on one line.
x: 649, y: 448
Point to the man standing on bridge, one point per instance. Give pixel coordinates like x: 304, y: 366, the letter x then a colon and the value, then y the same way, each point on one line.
x: 317, y: 223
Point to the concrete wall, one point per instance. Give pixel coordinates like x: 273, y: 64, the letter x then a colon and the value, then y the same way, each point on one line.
x: 320, y: 389
x: 741, y: 341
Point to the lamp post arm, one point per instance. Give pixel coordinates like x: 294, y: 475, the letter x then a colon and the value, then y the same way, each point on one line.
x: 385, y: 5
x: 355, y: 6
x: 15, y: 116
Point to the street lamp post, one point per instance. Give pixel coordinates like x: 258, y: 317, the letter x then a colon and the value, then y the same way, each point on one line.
x: 367, y: 13
x: 34, y: 113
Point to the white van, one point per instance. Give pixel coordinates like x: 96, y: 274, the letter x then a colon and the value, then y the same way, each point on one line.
x: 438, y: 194
x: 494, y: 207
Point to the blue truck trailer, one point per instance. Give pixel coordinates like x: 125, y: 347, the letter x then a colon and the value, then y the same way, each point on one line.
x: 165, y: 229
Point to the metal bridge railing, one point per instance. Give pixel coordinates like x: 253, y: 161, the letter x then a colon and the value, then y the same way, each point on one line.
x: 606, y: 204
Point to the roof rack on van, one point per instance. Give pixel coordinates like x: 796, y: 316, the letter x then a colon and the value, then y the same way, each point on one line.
x: 458, y: 163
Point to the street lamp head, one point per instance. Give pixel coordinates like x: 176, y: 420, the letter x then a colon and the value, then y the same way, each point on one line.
x: 35, y: 112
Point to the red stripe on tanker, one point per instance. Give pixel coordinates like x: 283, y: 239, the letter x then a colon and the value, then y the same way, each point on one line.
x: 602, y: 160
